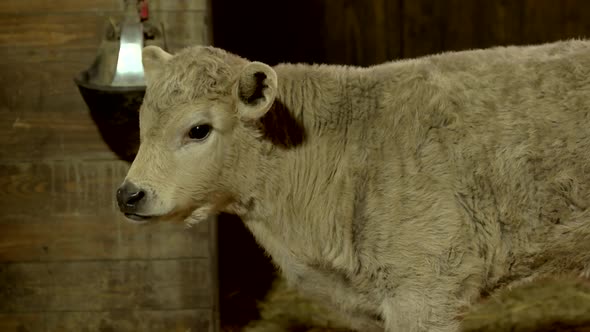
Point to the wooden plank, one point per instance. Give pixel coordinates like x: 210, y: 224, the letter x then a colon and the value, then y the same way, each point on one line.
x: 41, y: 78
x: 78, y: 59
x: 541, y: 20
x: 83, y: 31
x: 105, y: 237
x: 41, y: 201
x: 362, y: 32
x: 41, y: 87
x: 503, y: 23
x: 183, y: 29
x: 77, y: 6
x: 58, y: 6
x: 19, y: 89
x: 67, y: 37
x: 546, y: 20
x: 422, y: 27
x: 22, y: 322
x: 52, y: 31
x: 195, y: 320
x: 458, y: 27
x: 480, y: 24
x: 178, y: 5
x: 51, y: 135
x: 105, y: 285
x: 59, y: 32
x: 462, y: 24
x: 575, y: 23
x: 214, y: 261
x: 32, y: 191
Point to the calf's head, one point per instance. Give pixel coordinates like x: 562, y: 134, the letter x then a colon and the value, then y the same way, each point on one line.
x: 198, y: 132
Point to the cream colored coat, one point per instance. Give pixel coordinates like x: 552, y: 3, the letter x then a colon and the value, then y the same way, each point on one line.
x: 400, y: 192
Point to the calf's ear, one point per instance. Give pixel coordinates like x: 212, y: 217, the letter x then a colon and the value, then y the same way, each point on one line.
x: 153, y: 59
x: 255, y: 91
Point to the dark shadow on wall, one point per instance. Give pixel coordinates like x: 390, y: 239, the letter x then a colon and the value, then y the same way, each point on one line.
x: 245, y: 273
x: 270, y: 31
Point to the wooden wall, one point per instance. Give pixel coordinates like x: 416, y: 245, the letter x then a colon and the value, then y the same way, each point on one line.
x: 365, y: 32
x: 68, y: 261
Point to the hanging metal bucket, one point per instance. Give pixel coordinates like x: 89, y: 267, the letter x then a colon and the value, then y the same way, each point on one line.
x: 113, y: 87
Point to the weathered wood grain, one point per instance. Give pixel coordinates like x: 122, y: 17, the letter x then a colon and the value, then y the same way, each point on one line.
x: 75, y: 37
x: 504, y: 22
x: 41, y: 54
x: 105, y: 285
x: 57, y: 135
x: 193, y: 320
x: 40, y: 77
x: 58, y: 30
x: 68, y: 260
x: 30, y: 191
x: 77, y: 6
x: 213, y: 229
x: 183, y: 28
x: 178, y: 5
x: 575, y: 23
x: 422, y: 23
x: 41, y: 87
x: 76, y: 59
x: 362, y: 32
x: 541, y: 21
x: 463, y: 27
x: 548, y: 20
x: 41, y: 201
x: 105, y: 237
x: 432, y: 27
x: 22, y: 322
x: 58, y: 6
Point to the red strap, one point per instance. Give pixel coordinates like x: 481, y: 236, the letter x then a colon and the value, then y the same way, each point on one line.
x: 144, y: 12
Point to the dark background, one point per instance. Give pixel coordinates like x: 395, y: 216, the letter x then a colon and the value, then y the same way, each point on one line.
x: 365, y: 32
x: 362, y: 32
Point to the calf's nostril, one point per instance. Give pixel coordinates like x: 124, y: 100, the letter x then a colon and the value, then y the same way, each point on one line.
x: 135, y: 197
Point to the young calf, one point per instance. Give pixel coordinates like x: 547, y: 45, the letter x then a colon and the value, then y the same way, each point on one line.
x: 400, y: 192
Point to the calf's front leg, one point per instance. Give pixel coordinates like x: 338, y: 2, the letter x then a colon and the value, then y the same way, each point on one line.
x: 425, y: 310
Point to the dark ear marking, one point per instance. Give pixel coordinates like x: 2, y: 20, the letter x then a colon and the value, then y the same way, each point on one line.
x: 256, y: 90
x: 252, y: 93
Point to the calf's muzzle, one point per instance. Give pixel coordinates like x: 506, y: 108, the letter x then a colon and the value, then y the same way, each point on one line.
x: 129, y: 198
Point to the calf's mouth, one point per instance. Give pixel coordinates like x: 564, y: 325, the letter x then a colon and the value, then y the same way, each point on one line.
x: 137, y: 217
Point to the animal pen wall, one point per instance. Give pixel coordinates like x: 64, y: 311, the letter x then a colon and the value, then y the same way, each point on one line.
x: 68, y: 262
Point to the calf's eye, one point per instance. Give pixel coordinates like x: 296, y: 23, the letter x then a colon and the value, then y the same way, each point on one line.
x: 199, y: 132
